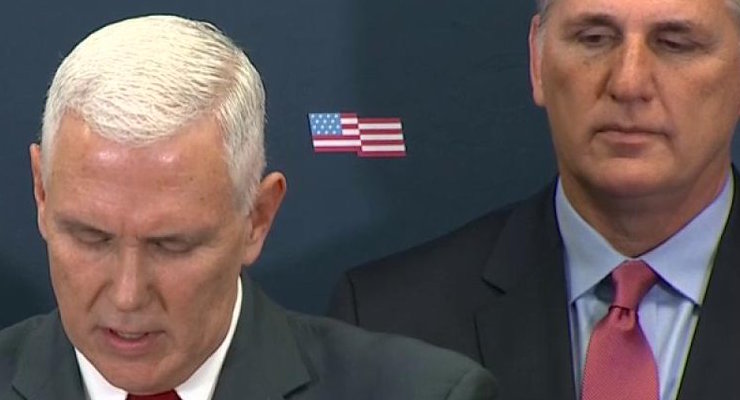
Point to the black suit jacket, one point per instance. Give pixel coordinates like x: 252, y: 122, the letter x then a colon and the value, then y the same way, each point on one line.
x: 274, y: 354
x: 495, y: 290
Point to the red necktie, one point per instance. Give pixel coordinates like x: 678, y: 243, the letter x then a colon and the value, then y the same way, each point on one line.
x: 170, y: 395
x: 619, y: 362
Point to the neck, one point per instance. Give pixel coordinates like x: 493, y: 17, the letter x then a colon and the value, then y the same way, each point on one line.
x: 634, y: 225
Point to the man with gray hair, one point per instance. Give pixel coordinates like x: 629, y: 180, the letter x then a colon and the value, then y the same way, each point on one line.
x: 621, y: 279
x: 151, y: 199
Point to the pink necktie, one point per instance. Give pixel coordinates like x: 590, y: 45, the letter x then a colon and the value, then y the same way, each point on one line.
x: 170, y: 395
x: 619, y: 362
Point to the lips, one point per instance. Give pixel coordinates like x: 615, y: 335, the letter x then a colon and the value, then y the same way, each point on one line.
x: 130, y: 342
x: 128, y: 335
x: 635, y: 129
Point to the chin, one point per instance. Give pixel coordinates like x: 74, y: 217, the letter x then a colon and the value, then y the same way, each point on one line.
x: 627, y: 177
x: 134, y: 384
x: 630, y: 185
x: 131, y: 377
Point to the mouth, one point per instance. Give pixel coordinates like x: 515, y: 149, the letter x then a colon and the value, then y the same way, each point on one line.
x: 629, y: 130
x: 130, y: 343
x: 128, y: 335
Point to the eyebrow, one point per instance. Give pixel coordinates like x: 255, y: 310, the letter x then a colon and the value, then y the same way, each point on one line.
x: 603, y: 19
x: 175, y: 237
x: 591, y: 19
x: 199, y: 235
x: 677, y: 26
x: 75, y: 224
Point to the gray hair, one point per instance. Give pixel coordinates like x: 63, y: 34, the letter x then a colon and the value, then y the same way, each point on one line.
x: 544, y: 5
x: 139, y: 80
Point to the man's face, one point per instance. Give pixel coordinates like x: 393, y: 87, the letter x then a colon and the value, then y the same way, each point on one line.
x: 145, y: 248
x: 642, y: 95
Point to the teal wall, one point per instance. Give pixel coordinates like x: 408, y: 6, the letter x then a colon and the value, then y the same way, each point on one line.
x: 455, y: 71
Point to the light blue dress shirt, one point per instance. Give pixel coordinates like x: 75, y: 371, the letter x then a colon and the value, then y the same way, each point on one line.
x: 669, y: 311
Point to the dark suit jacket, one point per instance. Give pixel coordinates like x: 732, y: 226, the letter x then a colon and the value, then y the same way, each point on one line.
x: 495, y: 290
x: 274, y: 354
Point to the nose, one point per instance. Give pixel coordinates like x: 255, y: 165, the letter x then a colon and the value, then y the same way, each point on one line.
x: 631, y: 78
x: 130, y: 288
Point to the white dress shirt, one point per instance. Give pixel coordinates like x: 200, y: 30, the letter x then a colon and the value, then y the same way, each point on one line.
x: 200, y: 385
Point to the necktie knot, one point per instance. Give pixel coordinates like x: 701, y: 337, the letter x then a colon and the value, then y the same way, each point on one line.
x: 619, y: 362
x: 169, y: 395
x: 632, y: 280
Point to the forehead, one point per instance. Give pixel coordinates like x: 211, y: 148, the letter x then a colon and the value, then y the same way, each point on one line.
x: 699, y: 12
x: 190, y: 164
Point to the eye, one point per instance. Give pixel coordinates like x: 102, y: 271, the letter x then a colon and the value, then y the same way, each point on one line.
x: 91, y: 238
x: 676, y: 44
x: 597, y: 37
x: 173, y: 246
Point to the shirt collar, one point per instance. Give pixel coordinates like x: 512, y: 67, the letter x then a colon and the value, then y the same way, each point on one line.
x: 683, y: 261
x: 199, y: 386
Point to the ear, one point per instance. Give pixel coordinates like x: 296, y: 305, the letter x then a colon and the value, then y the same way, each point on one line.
x: 269, y: 197
x: 535, y: 60
x: 39, y: 193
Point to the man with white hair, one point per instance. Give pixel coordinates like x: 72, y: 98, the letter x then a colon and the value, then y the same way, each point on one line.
x: 621, y: 279
x: 150, y: 196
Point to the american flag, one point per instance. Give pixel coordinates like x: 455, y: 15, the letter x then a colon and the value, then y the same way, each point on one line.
x: 348, y: 133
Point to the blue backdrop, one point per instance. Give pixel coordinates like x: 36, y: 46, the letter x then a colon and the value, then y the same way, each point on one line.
x: 455, y: 72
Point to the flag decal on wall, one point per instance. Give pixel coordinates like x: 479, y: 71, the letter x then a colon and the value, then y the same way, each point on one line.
x: 348, y: 133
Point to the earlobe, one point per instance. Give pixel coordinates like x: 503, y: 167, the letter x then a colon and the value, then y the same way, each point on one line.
x: 39, y: 192
x: 266, y: 205
x: 535, y: 60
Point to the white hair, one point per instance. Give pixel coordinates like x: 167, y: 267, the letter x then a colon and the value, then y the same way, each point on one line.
x: 139, y: 80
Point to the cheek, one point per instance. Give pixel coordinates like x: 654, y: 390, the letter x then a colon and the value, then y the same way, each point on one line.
x: 72, y: 274
x: 713, y: 94
x: 565, y: 75
x: 705, y: 107
x: 571, y: 91
x: 199, y: 306
x: 201, y: 289
x: 76, y: 286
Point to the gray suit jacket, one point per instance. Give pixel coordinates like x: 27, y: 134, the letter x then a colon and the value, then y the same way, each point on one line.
x: 495, y: 290
x: 275, y: 354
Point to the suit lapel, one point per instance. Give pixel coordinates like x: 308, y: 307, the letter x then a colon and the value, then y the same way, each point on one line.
x: 263, y: 361
x: 712, y: 367
x: 524, y: 335
x: 47, y: 367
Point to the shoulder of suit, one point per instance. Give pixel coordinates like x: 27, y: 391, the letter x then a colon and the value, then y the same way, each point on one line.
x: 330, y: 343
x: 12, y: 337
x: 473, y: 239
x: 13, y: 341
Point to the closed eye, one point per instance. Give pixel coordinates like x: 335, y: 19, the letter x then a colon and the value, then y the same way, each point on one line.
x: 91, y: 237
x: 682, y: 36
x: 173, y: 245
x: 597, y: 37
x: 676, y: 44
x: 592, y: 30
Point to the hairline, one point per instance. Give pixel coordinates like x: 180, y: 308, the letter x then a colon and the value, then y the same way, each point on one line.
x: 48, y: 151
x: 543, y: 7
x: 242, y: 95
